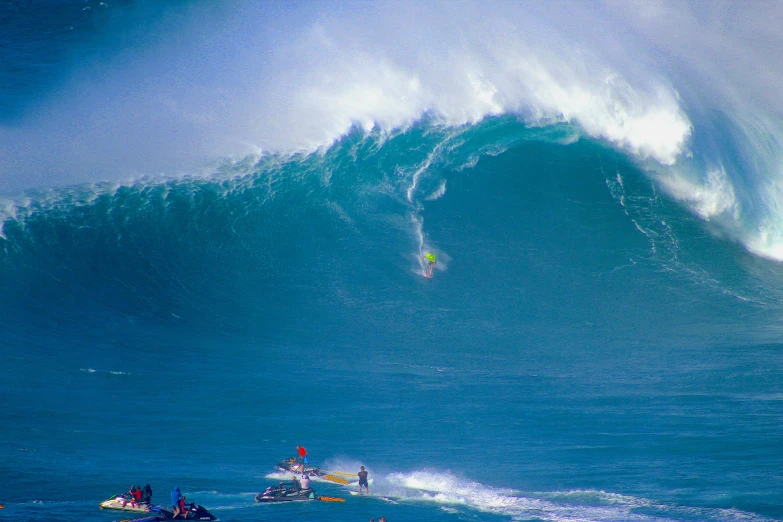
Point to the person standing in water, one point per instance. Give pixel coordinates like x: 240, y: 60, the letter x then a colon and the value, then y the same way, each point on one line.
x: 430, y: 259
x: 363, y: 480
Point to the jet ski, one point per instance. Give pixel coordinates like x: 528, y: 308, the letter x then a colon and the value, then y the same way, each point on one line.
x: 120, y: 502
x: 283, y: 494
x: 297, y: 468
x: 195, y: 512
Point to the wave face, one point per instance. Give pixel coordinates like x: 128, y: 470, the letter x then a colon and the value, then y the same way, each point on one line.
x: 585, y: 350
x: 350, y: 225
x: 212, y: 238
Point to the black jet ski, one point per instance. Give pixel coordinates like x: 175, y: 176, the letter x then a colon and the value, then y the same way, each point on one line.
x: 195, y: 512
x: 283, y: 494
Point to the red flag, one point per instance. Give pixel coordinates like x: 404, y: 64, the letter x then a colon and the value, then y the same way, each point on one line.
x: 302, y: 451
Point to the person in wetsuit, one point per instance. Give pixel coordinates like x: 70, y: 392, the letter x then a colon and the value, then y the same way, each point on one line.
x: 430, y: 259
x: 182, y: 509
x: 130, y: 496
x: 146, y: 495
x: 363, y: 480
x: 176, y: 496
x: 295, y: 486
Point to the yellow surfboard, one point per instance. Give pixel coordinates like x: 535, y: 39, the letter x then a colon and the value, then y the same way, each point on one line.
x: 338, y: 480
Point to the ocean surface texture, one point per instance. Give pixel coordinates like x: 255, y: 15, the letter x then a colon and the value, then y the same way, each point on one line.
x: 213, y: 217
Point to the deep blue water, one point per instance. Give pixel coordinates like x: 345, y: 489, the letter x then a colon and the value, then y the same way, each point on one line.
x: 587, y: 349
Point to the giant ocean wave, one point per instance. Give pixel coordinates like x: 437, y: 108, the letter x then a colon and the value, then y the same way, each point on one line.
x: 712, y: 146
x: 257, y: 243
x: 212, y: 224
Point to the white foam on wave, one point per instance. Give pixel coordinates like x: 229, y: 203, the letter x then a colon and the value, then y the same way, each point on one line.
x: 417, y: 223
x: 498, y: 67
x: 112, y: 372
x: 450, y: 490
x: 631, y: 74
x: 753, y: 217
x: 378, y: 67
x: 711, y: 197
x: 439, y: 193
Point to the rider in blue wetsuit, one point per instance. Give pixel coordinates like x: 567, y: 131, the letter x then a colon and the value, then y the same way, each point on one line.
x: 175, y: 498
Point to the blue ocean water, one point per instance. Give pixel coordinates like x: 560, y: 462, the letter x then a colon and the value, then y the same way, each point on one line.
x: 589, y: 348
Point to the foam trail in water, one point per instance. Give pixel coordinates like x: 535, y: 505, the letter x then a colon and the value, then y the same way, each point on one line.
x: 439, y: 193
x: 584, y: 505
x: 418, y: 232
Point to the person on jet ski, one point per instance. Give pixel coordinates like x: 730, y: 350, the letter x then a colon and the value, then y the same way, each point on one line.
x: 305, y: 482
x: 130, y: 496
x: 146, y: 495
x: 295, y: 486
x: 182, y: 509
x: 275, y: 490
x: 176, y: 496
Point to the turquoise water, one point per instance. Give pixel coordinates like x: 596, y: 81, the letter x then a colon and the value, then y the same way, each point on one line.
x: 588, y: 348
